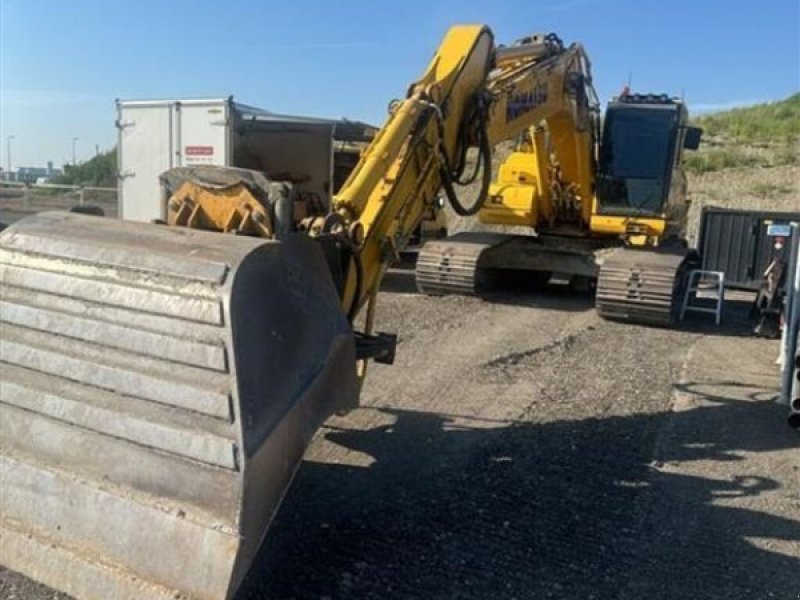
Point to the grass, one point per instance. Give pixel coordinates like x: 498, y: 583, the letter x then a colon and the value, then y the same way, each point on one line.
x: 758, y: 136
x: 738, y: 156
x: 749, y: 160
x: 769, y: 189
x: 772, y: 122
x: 716, y: 159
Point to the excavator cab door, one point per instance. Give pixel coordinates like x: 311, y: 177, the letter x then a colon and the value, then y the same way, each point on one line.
x: 638, y: 152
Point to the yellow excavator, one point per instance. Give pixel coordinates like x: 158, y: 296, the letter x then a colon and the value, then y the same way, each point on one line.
x: 594, y: 207
x: 159, y: 383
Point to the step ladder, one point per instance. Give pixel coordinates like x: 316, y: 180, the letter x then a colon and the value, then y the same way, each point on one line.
x: 712, y: 285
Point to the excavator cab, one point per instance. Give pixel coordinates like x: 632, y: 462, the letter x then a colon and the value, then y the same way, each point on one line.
x: 640, y: 197
x: 643, y: 137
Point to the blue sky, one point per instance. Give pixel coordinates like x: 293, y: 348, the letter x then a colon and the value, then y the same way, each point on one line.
x: 62, y: 63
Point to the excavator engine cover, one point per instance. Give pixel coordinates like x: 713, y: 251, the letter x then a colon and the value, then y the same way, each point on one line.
x: 158, y: 387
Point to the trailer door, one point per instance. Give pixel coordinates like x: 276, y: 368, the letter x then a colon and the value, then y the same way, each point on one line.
x: 145, y: 151
x: 203, y: 132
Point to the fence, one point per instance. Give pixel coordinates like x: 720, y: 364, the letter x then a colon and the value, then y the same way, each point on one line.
x: 18, y: 200
x: 739, y: 243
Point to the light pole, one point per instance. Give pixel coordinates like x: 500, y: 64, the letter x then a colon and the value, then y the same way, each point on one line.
x: 8, y: 157
x: 73, y: 151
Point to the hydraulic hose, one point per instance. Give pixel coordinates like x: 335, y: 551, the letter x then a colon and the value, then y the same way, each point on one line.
x: 485, y: 158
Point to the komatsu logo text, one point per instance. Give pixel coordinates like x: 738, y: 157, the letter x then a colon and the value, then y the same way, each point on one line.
x: 524, y: 102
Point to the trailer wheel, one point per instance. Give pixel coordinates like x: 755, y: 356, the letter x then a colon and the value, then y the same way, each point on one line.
x: 88, y: 209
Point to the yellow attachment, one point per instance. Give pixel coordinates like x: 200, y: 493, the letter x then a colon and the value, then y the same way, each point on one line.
x: 229, y: 210
x: 514, y: 197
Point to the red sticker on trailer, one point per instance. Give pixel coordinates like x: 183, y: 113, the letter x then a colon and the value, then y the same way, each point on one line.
x: 199, y: 150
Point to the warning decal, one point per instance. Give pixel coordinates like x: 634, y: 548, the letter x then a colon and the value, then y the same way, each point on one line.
x: 199, y: 150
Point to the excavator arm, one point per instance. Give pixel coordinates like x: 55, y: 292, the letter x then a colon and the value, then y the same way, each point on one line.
x: 401, y: 172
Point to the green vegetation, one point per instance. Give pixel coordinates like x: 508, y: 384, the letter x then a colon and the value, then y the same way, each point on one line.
x: 719, y: 158
x: 716, y: 159
x: 770, y: 189
x: 100, y: 171
x: 762, y: 135
x: 770, y: 122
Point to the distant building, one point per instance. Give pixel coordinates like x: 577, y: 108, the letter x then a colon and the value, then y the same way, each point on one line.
x: 34, y: 174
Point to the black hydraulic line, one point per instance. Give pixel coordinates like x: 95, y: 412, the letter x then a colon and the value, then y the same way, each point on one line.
x: 448, y: 179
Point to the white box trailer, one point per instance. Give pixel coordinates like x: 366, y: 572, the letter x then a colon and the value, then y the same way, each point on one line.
x: 156, y: 135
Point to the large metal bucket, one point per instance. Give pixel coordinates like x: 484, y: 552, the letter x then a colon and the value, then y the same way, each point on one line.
x: 158, y: 387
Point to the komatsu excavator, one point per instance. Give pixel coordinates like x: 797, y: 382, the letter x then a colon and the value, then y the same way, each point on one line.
x: 159, y: 383
x: 575, y: 192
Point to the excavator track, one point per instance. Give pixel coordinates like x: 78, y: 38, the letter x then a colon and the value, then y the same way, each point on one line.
x: 158, y: 387
x: 467, y: 263
x: 643, y: 286
x: 450, y: 266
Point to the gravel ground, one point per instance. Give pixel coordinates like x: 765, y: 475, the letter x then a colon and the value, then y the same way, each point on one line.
x: 522, y: 448
x: 517, y: 450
